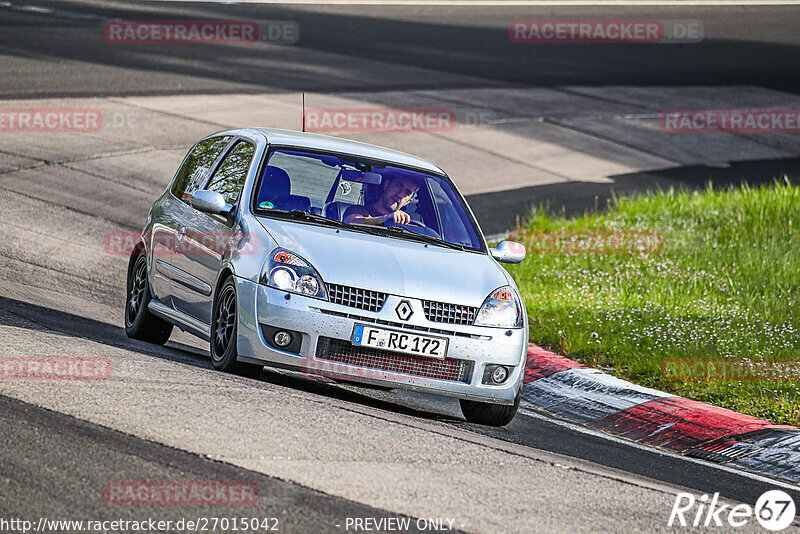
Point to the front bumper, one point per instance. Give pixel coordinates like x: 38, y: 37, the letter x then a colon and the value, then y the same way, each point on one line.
x: 320, y: 321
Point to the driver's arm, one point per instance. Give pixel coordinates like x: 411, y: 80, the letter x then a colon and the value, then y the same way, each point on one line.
x: 355, y: 214
x: 397, y: 217
x: 359, y: 215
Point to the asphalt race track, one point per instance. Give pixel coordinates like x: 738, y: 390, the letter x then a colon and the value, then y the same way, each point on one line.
x: 744, y: 45
x: 320, y: 454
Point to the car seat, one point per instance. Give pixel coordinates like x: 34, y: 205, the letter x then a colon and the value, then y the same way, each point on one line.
x: 276, y: 188
x: 336, y: 209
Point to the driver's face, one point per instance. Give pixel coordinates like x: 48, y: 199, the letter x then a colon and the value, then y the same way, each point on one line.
x: 398, y: 193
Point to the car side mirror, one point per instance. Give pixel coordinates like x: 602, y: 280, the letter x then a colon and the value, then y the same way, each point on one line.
x: 211, y: 202
x: 508, y: 252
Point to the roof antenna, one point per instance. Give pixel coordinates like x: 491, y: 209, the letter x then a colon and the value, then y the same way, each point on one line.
x: 304, y: 112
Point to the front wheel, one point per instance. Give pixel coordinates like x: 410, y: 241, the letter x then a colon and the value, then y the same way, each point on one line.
x: 139, y: 322
x: 484, y: 413
x: 223, y: 334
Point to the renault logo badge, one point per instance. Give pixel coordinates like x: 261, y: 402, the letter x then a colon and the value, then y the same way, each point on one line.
x: 404, y: 311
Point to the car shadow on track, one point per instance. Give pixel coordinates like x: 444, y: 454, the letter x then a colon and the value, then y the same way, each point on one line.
x: 27, y: 315
x: 334, y: 390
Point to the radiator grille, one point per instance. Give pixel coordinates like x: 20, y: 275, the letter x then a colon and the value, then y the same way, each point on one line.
x: 363, y: 299
x: 406, y: 326
x: 441, y: 312
x: 337, y: 350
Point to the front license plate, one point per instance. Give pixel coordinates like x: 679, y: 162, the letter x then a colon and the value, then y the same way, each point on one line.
x: 381, y: 338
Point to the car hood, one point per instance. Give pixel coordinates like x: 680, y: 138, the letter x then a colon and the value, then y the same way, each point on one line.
x: 391, y: 265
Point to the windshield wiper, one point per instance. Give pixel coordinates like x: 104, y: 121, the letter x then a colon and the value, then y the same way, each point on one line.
x: 304, y: 215
x: 425, y: 238
x: 405, y: 232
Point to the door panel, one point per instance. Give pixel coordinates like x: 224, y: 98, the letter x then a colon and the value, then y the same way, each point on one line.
x: 204, y: 241
x: 172, y: 211
x: 201, y: 245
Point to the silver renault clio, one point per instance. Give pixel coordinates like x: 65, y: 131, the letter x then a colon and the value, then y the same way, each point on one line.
x: 334, y: 259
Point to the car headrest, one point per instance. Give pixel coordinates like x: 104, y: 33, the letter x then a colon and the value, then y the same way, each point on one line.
x: 276, y: 184
x: 336, y: 209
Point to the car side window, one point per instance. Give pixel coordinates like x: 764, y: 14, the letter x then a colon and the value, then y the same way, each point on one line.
x: 229, y: 178
x: 197, y: 166
x: 453, y: 227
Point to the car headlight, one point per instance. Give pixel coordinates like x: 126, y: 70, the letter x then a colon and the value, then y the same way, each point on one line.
x: 503, y: 308
x: 287, y: 271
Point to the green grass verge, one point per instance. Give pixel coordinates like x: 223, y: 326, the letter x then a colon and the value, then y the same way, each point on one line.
x: 724, y: 288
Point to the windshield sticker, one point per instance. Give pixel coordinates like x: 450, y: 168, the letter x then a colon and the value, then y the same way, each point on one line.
x: 346, y: 188
x: 266, y: 204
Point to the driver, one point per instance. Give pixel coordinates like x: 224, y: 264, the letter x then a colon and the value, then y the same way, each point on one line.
x: 397, y: 193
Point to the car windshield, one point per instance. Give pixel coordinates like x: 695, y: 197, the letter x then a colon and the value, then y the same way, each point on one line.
x: 345, y: 189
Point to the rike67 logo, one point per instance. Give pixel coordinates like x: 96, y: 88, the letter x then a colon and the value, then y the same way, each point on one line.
x: 774, y: 510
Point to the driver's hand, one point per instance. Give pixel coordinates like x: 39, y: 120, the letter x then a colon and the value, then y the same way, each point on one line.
x: 398, y: 217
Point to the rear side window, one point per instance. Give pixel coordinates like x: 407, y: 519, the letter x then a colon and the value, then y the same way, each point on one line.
x: 229, y: 178
x: 196, y: 168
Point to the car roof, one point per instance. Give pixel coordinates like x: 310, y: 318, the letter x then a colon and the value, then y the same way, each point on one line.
x: 328, y: 143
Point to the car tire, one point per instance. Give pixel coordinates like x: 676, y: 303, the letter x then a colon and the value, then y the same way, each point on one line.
x: 484, y: 413
x: 140, y: 323
x: 224, y: 323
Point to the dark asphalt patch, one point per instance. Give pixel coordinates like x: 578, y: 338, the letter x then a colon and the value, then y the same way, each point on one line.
x: 56, y: 466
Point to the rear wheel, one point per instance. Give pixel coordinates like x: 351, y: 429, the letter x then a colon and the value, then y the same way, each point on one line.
x: 139, y: 322
x: 223, y: 334
x: 484, y: 413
